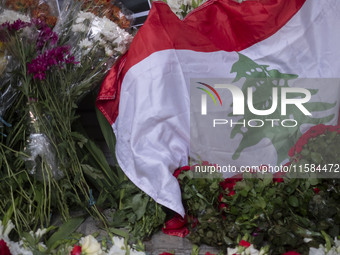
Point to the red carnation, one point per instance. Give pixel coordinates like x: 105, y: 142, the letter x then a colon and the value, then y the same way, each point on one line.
x: 291, y: 253
x: 277, y: 177
x: 316, y: 190
x: 244, y: 243
x: 166, y: 253
x: 229, y: 183
x: 4, y: 250
x: 76, y: 250
x: 180, y: 170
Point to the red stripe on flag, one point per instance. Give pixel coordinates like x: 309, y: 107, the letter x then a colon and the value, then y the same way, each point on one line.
x: 216, y: 25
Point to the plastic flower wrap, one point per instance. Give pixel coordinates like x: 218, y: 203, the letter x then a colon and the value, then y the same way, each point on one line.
x: 7, y: 65
x: 93, y: 30
x: 101, y: 31
x: 109, y: 9
x: 45, y: 10
x: 40, y: 149
x: 41, y: 153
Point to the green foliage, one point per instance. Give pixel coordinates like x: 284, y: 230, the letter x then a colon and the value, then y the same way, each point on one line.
x: 279, y: 214
x: 319, y: 156
x: 34, y: 197
x: 136, y: 211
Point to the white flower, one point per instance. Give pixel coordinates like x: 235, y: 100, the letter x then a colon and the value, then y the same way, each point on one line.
x: 118, y: 247
x: 40, y: 233
x: 232, y: 251
x: 175, y: 6
x: 315, y: 251
x: 86, y: 44
x: 109, y: 35
x: 335, y: 250
x: 307, y: 240
x: 82, y: 16
x: 187, y: 2
x: 90, y: 246
x: 79, y: 28
x: 17, y: 248
x: 119, y: 242
x: 11, y: 16
x: 109, y: 52
x: 5, y: 230
x: 103, y: 33
x: 248, y: 251
x: 252, y: 251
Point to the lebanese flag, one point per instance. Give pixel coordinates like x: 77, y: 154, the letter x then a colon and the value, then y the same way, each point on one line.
x: 146, y: 95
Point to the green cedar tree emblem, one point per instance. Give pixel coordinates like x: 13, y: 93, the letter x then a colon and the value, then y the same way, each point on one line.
x: 263, y: 80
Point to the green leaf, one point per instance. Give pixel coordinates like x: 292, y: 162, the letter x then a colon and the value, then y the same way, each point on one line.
x: 100, y: 159
x: 107, y: 132
x: 139, y: 203
x: 268, y: 179
x: 195, y: 249
x: 29, y: 238
x: 328, y: 241
x: 64, y: 232
x: 261, y: 202
x: 293, y: 201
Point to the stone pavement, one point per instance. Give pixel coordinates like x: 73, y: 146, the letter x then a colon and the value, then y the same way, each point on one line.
x: 158, y: 244
x: 161, y: 242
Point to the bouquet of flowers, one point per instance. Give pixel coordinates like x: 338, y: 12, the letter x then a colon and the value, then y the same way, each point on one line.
x: 45, y: 10
x: 34, y: 243
x: 108, y: 9
x: 43, y: 165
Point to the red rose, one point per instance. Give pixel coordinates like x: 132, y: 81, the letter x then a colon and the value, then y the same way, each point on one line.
x: 291, y: 152
x: 221, y: 206
x: 229, y: 183
x: 316, y: 130
x: 180, y: 170
x: 291, y: 253
x: 316, y: 190
x: 277, y: 177
x: 299, y: 145
x: 76, y: 250
x: 166, y: 253
x: 244, y: 243
x: 231, y: 193
x: 208, y: 253
x: 4, y: 250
